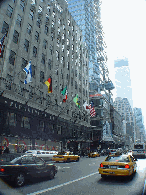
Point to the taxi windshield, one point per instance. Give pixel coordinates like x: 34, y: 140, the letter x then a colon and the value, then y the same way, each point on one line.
x: 117, y: 159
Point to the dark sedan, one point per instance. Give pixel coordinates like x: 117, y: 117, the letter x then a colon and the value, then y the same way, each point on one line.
x: 25, y: 167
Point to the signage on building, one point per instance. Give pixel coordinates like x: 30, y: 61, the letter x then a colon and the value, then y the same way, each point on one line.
x: 95, y: 95
x: 22, y: 107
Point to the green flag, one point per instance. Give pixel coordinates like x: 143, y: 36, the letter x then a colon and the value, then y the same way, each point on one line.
x: 76, y: 101
x: 64, y: 91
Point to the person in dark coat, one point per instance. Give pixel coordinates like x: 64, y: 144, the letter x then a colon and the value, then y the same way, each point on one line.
x: 1, y: 151
x: 6, y: 150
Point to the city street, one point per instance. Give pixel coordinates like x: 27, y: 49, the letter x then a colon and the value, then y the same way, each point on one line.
x: 83, y: 178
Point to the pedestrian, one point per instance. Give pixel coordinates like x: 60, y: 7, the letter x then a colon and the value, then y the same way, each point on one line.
x: 1, y: 151
x: 24, y: 150
x: 18, y: 149
x: 7, y: 150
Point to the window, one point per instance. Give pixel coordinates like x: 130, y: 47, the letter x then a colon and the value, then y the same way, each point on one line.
x: 45, y: 44
x: 9, y: 11
x: 11, y: 119
x: 40, y: 9
x: 15, y: 36
x: 24, y: 63
x: 59, y: 130
x: 39, y: 161
x: 48, y: 8
x: 46, y: 30
x: 42, y: 125
x: 12, y: 57
x: 38, y: 23
x: 19, y: 20
x: 63, y: 48
x: 76, y: 73
x: 52, y: 23
x: 31, y: 14
x: 68, y: 22
x: 67, y: 52
x: 37, y: 36
x: 34, y: 51
x: 63, y: 36
x: 25, y: 122
x: 43, y: 58
x: 26, y: 45
x: 29, y: 27
x: 84, y: 92
x: 53, y: 14
x: 47, y: 19
x: 41, y: 77
x: 76, y: 85
x: 68, y: 65
x: 71, y: 81
x: 28, y: 160
x: 22, y: 4
x: 58, y: 31
x: 49, y: 64
x: 51, y: 49
x: 5, y: 28
x: 67, y: 41
x: 57, y: 55
x: 33, y: 71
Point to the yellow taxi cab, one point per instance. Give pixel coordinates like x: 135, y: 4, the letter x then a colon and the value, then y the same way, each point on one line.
x: 65, y: 157
x: 93, y: 154
x: 118, y: 165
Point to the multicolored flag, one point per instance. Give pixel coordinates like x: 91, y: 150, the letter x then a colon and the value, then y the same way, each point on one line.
x: 1, y: 44
x: 28, y: 71
x: 49, y: 85
x: 64, y: 92
x: 76, y: 100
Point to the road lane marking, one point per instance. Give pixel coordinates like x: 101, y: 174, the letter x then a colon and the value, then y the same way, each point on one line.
x: 64, y: 184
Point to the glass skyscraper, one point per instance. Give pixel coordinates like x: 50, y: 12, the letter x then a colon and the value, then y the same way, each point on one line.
x: 86, y: 13
x: 122, y: 80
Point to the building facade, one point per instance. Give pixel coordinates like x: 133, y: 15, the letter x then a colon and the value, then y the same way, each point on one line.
x: 122, y: 80
x: 140, y: 130
x: 123, y: 106
x: 45, y: 33
x: 87, y: 15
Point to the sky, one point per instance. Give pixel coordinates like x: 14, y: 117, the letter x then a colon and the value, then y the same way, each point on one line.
x: 124, y: 26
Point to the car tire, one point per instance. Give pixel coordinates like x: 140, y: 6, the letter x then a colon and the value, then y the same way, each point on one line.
x: 77, y: 159
x: 51, y: 174
x: 103, y: 176
x: 19, y: 179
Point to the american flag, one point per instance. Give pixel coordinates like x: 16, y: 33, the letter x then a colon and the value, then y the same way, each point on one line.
x: 1, y: 44
x: 92, y: 110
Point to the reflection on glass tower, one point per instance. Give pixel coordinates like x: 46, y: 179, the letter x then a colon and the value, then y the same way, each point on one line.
x: 86, y: 13
x: 122, y: 80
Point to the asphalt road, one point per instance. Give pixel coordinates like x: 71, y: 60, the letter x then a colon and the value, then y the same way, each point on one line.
x: 82, y: 178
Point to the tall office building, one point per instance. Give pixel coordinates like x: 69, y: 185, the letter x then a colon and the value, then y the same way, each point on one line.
x: 139, y: 124
x: 45, y: 33
x: 122, y: 80
x: 123, y: 106
x: 87, y: 15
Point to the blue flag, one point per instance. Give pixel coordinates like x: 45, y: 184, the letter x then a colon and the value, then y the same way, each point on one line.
x: 28, y: 71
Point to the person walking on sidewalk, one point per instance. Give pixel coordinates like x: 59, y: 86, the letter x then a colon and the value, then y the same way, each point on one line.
x: 1, y: 151
x: 6, y: 150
